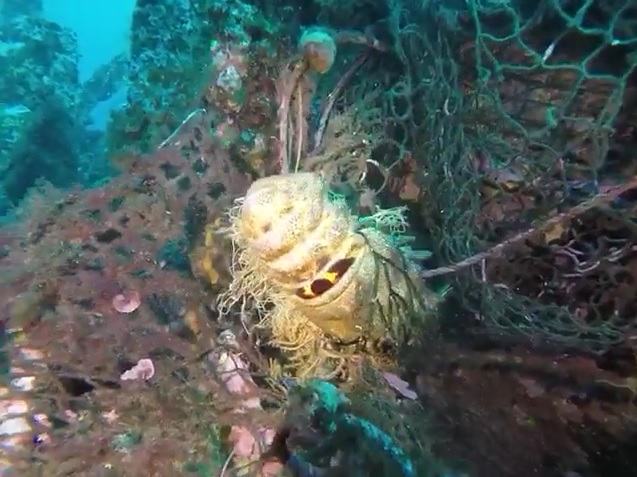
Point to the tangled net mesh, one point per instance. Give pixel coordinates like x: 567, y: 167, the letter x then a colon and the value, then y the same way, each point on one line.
x: 512, y: 112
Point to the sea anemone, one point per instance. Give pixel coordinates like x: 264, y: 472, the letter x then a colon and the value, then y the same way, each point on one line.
x: 142, y: 371
x: 127, y: 302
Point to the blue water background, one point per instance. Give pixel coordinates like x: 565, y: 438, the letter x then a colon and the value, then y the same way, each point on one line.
x: 102, y: 28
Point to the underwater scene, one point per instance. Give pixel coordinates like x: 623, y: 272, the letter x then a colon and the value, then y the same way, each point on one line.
x: 318, y: 238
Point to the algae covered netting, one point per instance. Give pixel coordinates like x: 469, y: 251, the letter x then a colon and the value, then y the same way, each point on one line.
x: 512, y: 112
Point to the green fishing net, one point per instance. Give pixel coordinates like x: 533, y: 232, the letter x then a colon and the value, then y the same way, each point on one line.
x: 512, y: 111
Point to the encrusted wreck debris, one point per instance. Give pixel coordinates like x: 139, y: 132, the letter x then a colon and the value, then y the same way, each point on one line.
x: 501, y: 132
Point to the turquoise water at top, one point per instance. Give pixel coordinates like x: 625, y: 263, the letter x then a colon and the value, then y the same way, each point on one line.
x: 102, y: 28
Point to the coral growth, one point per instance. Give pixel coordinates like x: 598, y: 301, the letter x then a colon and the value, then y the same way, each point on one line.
x: 45, y: 113
x: 38, y: 60
x: 63, y: 281
x: 171, y: 67
x: 46, y: 150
